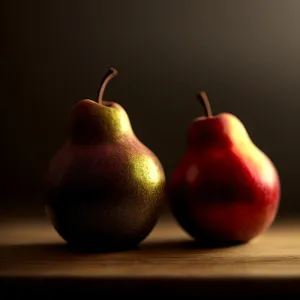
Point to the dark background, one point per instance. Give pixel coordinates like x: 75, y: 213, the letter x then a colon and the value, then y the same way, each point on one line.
x: 245, y: 54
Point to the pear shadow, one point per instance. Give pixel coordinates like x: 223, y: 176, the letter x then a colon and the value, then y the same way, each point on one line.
x: 98, y: 249
x: 49, y: 251
x: 42, y: 254
x: 36, y: 248
x: 12, y: 256
x: 187, y: 245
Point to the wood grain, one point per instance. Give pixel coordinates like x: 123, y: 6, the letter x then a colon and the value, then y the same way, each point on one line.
x: 32, y: 252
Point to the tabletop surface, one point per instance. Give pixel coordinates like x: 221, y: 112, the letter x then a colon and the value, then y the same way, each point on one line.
x: 31, y: 250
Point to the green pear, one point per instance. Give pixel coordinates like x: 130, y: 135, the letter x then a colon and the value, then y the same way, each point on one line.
x: 104, y: 188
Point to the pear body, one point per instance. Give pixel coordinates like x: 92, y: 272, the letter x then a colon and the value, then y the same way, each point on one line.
x: 224, y: 189
x: 104, y: 187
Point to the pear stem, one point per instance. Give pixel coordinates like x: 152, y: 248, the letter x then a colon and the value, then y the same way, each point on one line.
x: 205, y: 102
x: 106, y: 79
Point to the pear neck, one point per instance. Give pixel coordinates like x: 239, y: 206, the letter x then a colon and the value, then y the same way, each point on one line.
x: 207, y: 132
x: 92, y: 123
x: 95, y: 134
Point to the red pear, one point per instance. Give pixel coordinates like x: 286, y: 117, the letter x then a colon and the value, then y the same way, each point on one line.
x: 225, y: 189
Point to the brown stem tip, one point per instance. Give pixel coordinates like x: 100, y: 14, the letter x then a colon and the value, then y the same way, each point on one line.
x: 205, y: 102
x: 106, y: 79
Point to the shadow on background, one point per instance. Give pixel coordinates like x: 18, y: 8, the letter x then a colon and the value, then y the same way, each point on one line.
x: 245, y: 55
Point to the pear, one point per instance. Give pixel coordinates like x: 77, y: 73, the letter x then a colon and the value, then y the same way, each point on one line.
x: 104, y: 187
x: 224, y: 190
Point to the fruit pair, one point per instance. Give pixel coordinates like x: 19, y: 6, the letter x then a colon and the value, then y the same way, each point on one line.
x: 104, y: 188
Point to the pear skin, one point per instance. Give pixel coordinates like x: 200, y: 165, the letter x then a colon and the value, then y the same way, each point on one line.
x: 224, y: 190
x: 104, y: 187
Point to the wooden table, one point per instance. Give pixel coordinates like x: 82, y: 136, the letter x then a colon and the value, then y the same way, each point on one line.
x: 34, y: 259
